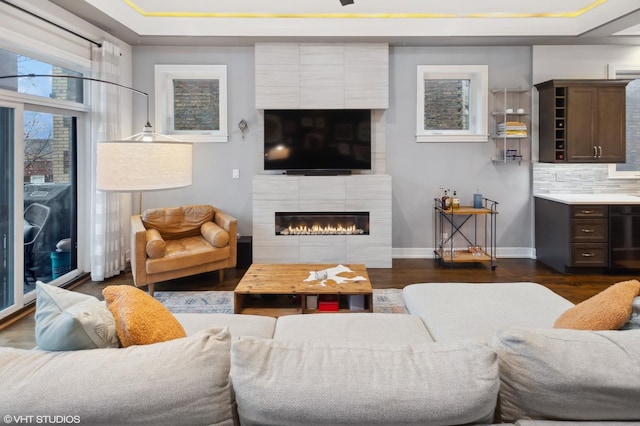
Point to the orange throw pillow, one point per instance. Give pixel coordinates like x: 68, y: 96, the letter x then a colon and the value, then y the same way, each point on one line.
x: 140, y: 319
x: 607, y: 310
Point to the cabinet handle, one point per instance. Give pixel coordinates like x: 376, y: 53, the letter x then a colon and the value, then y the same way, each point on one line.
x: 600, y: 149
x: 587, y: 211
x: 587, y: 254
x: 595, y: 151
x: 588, y: 231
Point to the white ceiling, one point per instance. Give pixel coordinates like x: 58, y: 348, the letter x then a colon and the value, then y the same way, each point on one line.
x: 399, y: 22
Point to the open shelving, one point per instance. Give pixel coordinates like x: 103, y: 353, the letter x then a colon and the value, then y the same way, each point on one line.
x: 511, y: 109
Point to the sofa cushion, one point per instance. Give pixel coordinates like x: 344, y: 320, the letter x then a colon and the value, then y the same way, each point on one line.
x: 475, y: 311
x: 181, y: 382
x: 370, y: 328
x: 140, y: 319
x: 608, y: 310
x: 294, y: 383
x: 569, y: 374
x: 156, y: 246
x: 178, y: 222
x: 239, y: 325
x: 67, y: 320
x: 214, y: 234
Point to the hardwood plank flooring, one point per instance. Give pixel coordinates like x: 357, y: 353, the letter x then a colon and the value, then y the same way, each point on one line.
x: 575, y: 287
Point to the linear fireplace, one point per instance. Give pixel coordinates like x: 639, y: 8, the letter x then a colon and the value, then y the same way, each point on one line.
x: 322, y: 223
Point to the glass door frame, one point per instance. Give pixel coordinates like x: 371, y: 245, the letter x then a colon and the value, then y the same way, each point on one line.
x: 21, y: 103
x: 18, y: 253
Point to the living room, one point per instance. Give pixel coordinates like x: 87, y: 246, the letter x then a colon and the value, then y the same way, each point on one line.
x: 224, y: 172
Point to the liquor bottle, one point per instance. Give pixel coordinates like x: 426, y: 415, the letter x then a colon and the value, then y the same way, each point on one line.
x: 446, y: 201
x: 455, y: 201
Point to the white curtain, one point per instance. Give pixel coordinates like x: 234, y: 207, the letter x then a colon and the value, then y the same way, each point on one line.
x: 110, y: 211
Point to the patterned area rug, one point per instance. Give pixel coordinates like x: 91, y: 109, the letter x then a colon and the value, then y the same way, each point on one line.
x: 388, y: 300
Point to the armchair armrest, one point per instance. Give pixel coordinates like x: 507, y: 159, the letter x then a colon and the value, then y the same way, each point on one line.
x: 230, y: 224
x: 138, y: 239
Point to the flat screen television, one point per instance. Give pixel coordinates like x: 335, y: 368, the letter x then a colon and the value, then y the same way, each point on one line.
x: 318, y: 141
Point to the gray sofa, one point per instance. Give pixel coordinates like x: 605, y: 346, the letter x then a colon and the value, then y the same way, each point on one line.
x: 465, y: 354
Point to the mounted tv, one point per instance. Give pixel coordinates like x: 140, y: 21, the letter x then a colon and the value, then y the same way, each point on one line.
x: 328, y: 141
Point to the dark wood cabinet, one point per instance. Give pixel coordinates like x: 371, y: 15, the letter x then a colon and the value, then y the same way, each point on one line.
x: 582, y: 121
x: 571, y: 236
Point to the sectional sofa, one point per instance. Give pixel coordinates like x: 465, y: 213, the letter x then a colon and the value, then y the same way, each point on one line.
x: 464, y: 354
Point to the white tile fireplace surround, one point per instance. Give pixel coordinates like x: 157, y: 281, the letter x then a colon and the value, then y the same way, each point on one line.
x: 369, y: 193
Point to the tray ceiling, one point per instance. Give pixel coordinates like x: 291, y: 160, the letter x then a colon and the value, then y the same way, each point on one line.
x: 395, y: 21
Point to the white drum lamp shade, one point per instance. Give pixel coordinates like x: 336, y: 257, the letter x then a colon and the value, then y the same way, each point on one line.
x: 128, y: 166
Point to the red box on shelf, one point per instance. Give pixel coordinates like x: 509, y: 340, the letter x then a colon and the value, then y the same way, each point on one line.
x: 328, y: 303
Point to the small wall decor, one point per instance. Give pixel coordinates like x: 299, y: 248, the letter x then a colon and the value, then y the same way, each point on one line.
x: 191, y: 102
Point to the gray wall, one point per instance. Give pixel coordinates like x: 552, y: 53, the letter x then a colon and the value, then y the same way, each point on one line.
x: 418, y: 169
x: 212, y: 162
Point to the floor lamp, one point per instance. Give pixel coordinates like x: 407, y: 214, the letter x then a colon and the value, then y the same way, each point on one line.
x: 136, y: 166
x: 143, y: 162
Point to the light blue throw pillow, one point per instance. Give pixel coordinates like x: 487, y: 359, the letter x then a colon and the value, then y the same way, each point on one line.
x: 67, y: 320
x: 634, y: 320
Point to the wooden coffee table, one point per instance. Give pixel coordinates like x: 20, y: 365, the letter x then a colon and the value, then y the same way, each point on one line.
x: 285, y: 289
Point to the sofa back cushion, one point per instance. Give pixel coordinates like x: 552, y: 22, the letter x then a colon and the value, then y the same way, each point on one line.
x: 294, y: 383
x: 569, y: 374
x: 178, y: 222
x: 181, y: 382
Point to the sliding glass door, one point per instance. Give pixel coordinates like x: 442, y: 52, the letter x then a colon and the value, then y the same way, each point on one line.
x: 38, y: 201
x: 49, y: 196
x: 7, y: 214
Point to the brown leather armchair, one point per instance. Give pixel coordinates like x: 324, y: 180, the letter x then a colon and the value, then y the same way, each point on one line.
x: 181, y: 241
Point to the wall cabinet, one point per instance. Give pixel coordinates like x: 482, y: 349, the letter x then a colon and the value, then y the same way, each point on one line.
x: 322, y: 75
x: 582, y: 121
x: 571, y: 236
x: 510, y: 111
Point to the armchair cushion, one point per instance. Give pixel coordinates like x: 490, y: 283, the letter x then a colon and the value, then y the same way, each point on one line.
x: 215, y: 235
x: 178, y: 222
x: 156, y: 246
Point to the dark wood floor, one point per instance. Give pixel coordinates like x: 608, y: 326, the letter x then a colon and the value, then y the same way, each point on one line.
x: 575, y: 287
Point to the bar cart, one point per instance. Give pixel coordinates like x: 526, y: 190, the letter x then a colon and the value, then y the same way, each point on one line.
x: 449, y: 223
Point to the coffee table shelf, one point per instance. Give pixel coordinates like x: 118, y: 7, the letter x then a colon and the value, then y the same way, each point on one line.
x: 281, y: 289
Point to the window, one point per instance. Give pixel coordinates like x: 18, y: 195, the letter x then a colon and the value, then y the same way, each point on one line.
x: 452, y: 103
x: 630, y: 169
x: 191, y: 102
x: 66, y: 89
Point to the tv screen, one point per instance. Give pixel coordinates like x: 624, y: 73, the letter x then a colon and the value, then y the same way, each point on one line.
x: 313, y: 140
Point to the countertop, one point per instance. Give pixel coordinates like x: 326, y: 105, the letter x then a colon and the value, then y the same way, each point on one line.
x: 591, y: 198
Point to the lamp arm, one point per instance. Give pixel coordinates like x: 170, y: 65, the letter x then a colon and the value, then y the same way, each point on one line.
x: 140, y: 92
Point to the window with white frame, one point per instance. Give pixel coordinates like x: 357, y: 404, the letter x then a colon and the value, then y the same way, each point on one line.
x: 452, y: 103
x: 191, y: 102
x: 631, y: 168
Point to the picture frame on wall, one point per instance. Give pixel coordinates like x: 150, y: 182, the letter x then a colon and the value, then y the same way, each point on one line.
x: 191, y: 102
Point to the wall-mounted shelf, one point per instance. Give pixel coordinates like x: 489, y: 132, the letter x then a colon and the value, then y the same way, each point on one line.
x: 512, y: 124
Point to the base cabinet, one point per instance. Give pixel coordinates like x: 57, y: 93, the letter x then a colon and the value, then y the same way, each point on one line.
x: 571, y: 236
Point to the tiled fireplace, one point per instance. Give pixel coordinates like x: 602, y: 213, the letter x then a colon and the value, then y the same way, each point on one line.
x: 322, y: 219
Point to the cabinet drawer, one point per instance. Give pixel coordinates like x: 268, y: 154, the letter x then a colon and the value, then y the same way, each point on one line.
x: 589, y: 254
x: 589, y: 231
x: 584, y: 211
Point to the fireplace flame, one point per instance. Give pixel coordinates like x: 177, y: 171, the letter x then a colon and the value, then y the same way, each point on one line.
x: 322, y: 230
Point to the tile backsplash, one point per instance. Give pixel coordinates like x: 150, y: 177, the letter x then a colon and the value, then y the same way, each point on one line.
x: 579, y: 178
